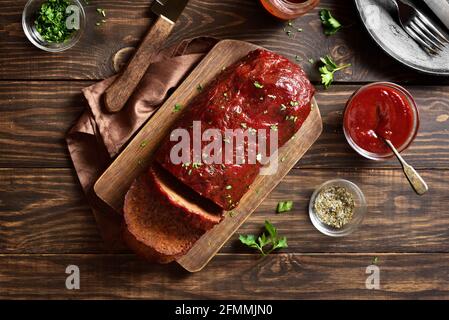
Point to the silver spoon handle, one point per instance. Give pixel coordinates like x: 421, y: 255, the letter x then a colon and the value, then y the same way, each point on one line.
x: 416, y: 181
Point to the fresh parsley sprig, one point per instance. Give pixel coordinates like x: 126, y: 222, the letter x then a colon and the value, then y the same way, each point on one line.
x: 330, y: 24
x: 262, y: 241
x: 328, y: 69
x: 284, y: 206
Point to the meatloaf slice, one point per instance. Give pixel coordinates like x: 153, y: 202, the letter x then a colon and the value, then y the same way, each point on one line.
x: 155, y: 228
x: 200, y: 212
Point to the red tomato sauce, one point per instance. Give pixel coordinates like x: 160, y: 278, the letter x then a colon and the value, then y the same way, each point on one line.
x: 379, y: 111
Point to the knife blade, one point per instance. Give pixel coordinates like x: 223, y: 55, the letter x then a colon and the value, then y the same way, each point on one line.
x: 168, y: 11
x: 441, y: 10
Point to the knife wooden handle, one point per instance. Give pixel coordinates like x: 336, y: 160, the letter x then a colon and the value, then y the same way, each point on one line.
x: 119, y: 92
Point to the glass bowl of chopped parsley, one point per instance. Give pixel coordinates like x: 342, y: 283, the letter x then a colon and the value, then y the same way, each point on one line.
x: 53, y: 25
x: 337, y: 207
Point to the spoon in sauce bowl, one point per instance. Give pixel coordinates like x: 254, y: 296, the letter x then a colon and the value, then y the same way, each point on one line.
x: 382, y: 132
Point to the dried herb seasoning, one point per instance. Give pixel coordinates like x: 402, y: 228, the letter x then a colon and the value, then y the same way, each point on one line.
x: 334, y: 206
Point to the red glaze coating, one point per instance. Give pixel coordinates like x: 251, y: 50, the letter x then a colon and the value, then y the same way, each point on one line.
x: 235, y: 98
x: 379, y: 110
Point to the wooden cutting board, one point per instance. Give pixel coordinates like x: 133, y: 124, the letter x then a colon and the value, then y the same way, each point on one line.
x: 112, y: 186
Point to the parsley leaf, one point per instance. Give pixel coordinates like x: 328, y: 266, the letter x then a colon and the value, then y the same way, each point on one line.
x: 264, y: 240
x: 328, y: 69
x: 330, y: 24
x: 177, y: 107
x: 284, y: 206
x: 258, y: 85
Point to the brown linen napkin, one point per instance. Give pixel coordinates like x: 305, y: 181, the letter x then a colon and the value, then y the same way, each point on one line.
x: 99, y: 136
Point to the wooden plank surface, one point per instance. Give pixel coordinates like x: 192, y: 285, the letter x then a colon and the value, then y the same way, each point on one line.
x: 45, y: 222
x: 279, y: 276
x: 44, y: 211
x: 232, y: 19
x: 35, y: 116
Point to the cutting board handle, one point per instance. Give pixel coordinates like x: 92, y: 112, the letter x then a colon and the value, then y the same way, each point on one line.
x: 119, y: 92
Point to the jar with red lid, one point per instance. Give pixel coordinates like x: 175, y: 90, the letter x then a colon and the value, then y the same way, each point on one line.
x: 289, y: 9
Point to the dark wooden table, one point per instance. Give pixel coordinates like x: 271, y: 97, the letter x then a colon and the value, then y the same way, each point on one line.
x: 46, y: 224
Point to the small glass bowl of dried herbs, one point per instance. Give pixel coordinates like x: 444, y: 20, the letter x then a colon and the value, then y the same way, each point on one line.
x: 337, y: 207
x: 53, y: 25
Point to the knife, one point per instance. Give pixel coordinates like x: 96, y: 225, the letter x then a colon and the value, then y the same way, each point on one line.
x: 168, y: 11
x: 441, y: 9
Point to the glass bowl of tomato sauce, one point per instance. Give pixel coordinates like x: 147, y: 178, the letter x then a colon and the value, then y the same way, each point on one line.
x: 379, y: 111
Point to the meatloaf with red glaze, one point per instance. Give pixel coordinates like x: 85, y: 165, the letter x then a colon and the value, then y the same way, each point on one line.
x: 262, y: 91
x: 156, y: 229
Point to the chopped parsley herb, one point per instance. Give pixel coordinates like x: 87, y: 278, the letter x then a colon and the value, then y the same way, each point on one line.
x: 101, y: 12
x: 283, y: 159
x: 274, y: 127
x: 328, y: 69
x: 284, y: 206
x: 299, y: 29
x: 330, y: 24
x: 228, y: 187
x: 225, y: 94
x: 259, y: 157
x: 289, y: 33
x: 98, y: 24
x: 231, y: 214
x: 298, y: 58
x: 283, y: 107
x: 177, y: 107
x: 199, y: 87
x: 271, y: 96
x: 292, y: 118
x: 144, y: 143
x: 294, y: 103
x: 262, y: 241
x: 227, y: 140
x: 196, y: 165
x: 311, y: 61
x: 244, y: 125
x: 51, y: 21
x: 258, y: 85
x: 375, y: 260
x: 252, y: 130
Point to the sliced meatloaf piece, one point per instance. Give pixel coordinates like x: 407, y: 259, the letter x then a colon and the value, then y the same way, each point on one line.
x: 263, y: 91
x: 200, y: 212
x: 155, y: 228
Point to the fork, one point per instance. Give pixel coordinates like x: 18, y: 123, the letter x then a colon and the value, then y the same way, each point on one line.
x: 420, y: 28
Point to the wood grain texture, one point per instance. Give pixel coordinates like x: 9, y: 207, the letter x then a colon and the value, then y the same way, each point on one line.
x: 231, y: 19
x: 279, y: 276
x: 34, y: 119
x: 126, y: 82
x: 35, y: 116
x: 45, y: 211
